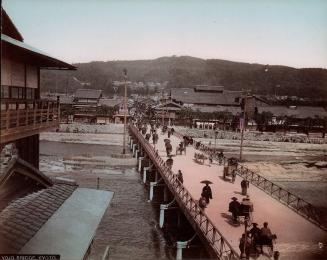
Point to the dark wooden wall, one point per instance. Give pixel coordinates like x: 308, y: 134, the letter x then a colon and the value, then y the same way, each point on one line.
x: 28, y: 149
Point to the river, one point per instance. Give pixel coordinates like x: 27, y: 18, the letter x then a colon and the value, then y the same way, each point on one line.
x: 129, y: 226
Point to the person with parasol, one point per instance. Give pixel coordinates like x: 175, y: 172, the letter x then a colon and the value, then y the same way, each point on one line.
x: 206, y: 190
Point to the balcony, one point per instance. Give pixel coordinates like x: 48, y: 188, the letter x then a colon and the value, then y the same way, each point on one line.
x: 23, y: 118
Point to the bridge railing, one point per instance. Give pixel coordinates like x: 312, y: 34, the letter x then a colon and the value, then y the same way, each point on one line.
x: 294, y: 202
x: 187, y: 203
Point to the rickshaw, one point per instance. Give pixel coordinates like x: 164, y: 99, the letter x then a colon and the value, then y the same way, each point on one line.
x: 200, y: 158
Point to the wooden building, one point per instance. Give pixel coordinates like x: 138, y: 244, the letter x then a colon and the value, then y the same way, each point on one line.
x: 167, y: 111
x: 35, y: 210
x: 85, y: 104
x: 23, y: 114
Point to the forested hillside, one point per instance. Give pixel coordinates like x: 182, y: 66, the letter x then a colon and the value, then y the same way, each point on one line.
x: 187, y: 71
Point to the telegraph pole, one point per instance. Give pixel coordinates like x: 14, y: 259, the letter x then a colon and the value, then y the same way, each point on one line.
x: 243, y: 125
x: 125, y: 108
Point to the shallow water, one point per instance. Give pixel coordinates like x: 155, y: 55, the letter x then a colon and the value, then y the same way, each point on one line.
x: 129, y: 226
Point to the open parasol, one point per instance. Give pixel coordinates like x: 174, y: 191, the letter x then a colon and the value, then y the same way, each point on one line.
x: 206, y: 182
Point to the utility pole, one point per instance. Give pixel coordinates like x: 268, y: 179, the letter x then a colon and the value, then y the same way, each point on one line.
x: 242, y: 125
x: 125, y: 108
x: 216, y: 133
x: 162, y: 109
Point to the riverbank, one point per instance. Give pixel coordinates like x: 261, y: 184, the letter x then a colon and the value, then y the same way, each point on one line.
x: 129, y: 226
x: 253, y: 135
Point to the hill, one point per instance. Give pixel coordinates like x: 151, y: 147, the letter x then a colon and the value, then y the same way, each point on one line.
x: 187, y: 71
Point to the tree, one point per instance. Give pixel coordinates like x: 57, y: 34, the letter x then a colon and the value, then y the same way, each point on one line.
x: 262, y: 120
x: 186, y: 113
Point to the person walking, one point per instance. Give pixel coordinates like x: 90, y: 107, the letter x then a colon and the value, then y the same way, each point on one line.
x: 202, y: 202
x: 169, y: 133
x: 255, y: 234
x: 234, y: 208
x: 155, y: 137
x: 169, y: 162
x: 245, y: 246
x: 206, y: 192
x: 180, y: 176
x: 244, y: 186
x: 220, y: 157
x: 247, y: 208
x: 266, y: 236
x: 210, y: 158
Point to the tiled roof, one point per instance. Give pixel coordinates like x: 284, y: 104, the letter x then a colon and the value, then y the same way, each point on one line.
x: 189, y: 96
x: 208, y: 88
x: 110, y: 102
x: 88, y: 93
x: 297, y: 112
x: 170, y: 105
x: 66, y: 100
x: 22, y: 219
x: 210, y: 109
x: 17, y: 163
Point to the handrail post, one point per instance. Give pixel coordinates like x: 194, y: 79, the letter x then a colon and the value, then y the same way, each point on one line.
x: 48, y: 110
x: 17, y: 115
x: 58, y: 108
x: 34, y: 112
x: 26, y: 114
x: 7, y: 116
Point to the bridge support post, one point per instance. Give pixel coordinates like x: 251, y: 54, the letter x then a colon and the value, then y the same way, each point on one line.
x: 136, y: 153
x: 152, y: 184
x: 164, y: 207
x: 139, y: 167
x: 144, y: 172
x: 131, y: 144
x: 182, y: 245
x: 133, y: 149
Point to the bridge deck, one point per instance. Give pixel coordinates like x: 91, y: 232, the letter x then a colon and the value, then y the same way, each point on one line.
x: 297, y: 237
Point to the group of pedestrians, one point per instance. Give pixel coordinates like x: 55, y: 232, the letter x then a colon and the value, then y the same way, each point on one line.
x: 254, y: 240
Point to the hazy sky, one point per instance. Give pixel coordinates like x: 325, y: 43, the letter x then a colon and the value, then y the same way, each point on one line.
x: 286, y: 32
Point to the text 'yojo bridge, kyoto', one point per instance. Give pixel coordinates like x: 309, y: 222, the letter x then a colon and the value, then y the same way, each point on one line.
x: 300, y: 235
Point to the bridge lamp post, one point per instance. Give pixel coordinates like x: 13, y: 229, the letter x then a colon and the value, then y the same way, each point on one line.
x: 216, y: 133
x: 243, y: 124
x: 125, y: 107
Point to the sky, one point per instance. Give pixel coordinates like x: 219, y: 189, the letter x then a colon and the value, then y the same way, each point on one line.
x: 274, y: 32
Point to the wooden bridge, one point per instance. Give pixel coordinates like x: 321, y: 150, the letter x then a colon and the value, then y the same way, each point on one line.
x: 296, y: 222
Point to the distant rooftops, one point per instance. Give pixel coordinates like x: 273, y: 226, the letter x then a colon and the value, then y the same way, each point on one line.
x: 300, y: 112
x: 206, y: 95
x: 210, y: 89
x: 88, y: 94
